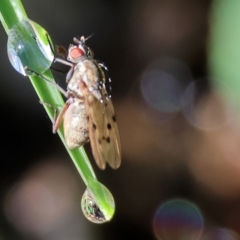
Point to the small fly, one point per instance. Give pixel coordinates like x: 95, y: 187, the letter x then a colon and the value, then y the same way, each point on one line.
x: 88, y: 113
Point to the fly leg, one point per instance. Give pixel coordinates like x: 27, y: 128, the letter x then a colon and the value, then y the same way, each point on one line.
x: 61, y: 90
x: 70, y: 71
x: 63, y: 61
x: 58, y: 117
x: 62, y: 52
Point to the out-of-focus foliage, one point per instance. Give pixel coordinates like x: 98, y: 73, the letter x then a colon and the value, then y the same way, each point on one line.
x: 224, y: 48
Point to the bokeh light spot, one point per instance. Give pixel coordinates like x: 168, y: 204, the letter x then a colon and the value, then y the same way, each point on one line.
x: 162, y: 84
x: 160, y: 91
x: 221, y: 234
x: 177, y: 220
x: 204, y: 110
x: 43, y: 199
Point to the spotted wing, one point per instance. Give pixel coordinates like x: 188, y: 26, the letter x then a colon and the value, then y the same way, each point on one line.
x: 103, y: 129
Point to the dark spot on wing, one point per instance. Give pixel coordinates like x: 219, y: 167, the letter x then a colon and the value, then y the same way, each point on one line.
x: 94, y: 126
x: 114, y: 118
x: 99, y: 141
x: 109, y: 126
x: 106, y: 138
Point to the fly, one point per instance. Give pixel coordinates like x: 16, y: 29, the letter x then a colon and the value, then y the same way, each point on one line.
x: 88, y: 113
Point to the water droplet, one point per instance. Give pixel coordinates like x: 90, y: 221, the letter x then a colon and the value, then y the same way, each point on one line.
x: 90, y: 208
x: 97, y: 202
x: 28, y: 47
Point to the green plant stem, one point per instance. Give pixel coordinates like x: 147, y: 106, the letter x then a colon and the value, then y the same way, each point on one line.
x: 28, y: 45
x: 12, y: 13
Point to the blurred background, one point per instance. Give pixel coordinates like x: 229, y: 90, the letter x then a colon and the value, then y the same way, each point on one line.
x: 175, y: 69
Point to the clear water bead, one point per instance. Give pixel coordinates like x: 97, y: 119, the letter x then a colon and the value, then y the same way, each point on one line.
x: 97, y: 203
x: 90, y: 209
x: 28, y: 48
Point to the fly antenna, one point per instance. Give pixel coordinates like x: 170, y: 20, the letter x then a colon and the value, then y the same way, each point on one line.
x: 82, y: 39
x: 85, y: 39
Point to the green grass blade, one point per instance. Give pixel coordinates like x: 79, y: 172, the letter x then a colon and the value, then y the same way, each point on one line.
x: 28, y: 46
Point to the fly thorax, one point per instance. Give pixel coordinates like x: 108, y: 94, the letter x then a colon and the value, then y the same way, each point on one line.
x: 80, y: 68
x: 74, y: 88
x: 90, y: 74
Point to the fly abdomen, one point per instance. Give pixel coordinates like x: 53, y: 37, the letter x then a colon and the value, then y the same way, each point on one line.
x: 76, y: 125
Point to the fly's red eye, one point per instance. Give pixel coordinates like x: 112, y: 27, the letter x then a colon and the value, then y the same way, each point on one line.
x: 76, y: 53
